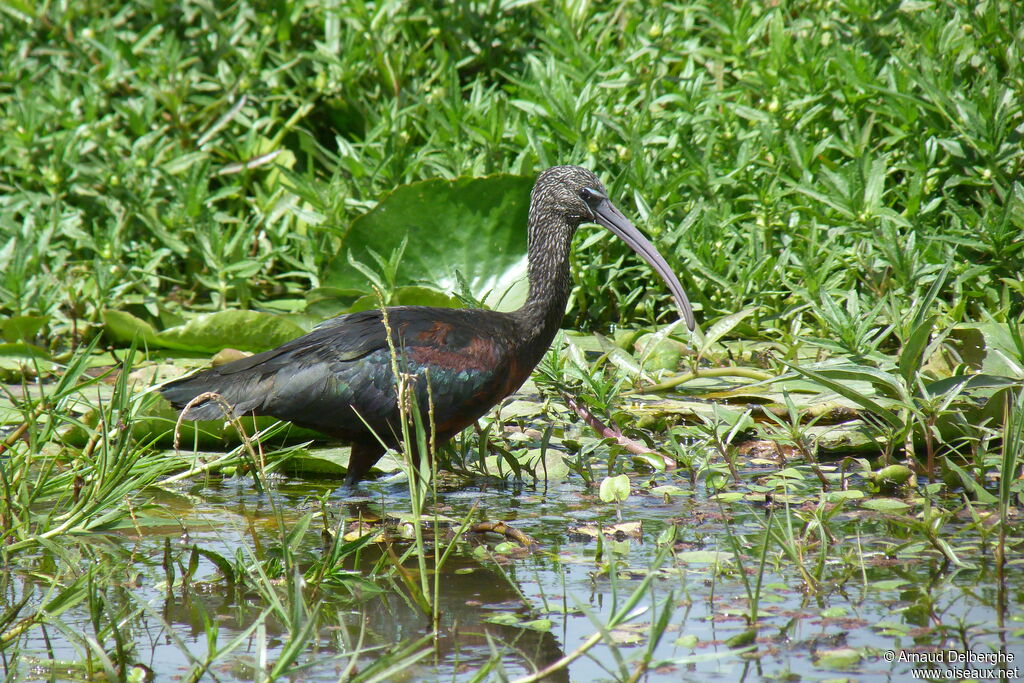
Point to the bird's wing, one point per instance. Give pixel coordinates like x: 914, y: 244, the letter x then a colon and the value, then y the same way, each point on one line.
x: 345, y: 338
x: 338, y: 379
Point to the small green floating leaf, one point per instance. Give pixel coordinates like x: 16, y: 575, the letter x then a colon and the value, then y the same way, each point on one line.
x: 892, y: 628
x: 626, y: 635
x: 895, y: 475
x: 504, y: 619
x: 702, y: 556
x: 552, y: 468
x: 511, y: 619
x: 790, y: 473
x: 729, y: 496
x: 834, y: 612
x: 888, y: 584
x: 849, y: 494
x: 538, y: 625
x: 615, y: 489
x: 840, y: 658
x: 521, y: 408
x: 689, y: 640
x: 884, y: 505
x: 748, y: 637
x: 670, y: 490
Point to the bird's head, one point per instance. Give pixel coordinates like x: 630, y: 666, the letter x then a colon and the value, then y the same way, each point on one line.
x: 565, y: 197
x: 563, y: 192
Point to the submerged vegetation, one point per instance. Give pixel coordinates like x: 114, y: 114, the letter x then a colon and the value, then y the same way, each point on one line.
x: 829, y: 470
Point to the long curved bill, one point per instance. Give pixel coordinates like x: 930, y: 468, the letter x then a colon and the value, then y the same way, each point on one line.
x: 610, y: 217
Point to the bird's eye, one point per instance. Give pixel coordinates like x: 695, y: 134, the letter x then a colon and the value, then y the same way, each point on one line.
x: 589, y: 195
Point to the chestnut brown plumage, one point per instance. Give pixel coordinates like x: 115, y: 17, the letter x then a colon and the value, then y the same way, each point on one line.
x: 338, y: 379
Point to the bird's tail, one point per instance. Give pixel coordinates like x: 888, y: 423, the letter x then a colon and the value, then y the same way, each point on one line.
x: 239, y: 392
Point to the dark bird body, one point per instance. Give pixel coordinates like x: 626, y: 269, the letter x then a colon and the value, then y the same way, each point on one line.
x: 338, y: 379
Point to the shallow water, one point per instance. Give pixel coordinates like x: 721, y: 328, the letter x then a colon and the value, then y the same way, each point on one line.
x: 874, y: 593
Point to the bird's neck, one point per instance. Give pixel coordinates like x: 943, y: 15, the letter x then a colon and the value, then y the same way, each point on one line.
x: 548, y: 267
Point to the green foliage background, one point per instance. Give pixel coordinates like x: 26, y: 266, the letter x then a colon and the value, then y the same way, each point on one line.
x: 820, y: 160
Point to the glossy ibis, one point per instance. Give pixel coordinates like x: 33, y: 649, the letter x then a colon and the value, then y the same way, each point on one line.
x: 338, y: 379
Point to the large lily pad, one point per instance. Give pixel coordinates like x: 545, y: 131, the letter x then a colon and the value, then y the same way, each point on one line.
x: 988, y: 348
x: 209, y: 333
x: 474, y: 225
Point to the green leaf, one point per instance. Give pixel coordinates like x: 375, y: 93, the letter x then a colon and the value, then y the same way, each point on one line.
x: 988, y: 348
x: 724, y: 326
x: 832, y: 379
x: 884, y: 505
x: 702, y: 556
x: 670, y: 490
x: 552, y: 468
x: 925, y: 304
x: 840, y: 658
x: 475, y: 225
x: 790, y: 473
x: 332, y: 461
x: 913, y: 348
x: 407, y: 296
x: 658, y: 352
x: 23, y: 328
x: 538, y: 625
x: 980, y: 494
x: 243, y: 330
x: 125, y: 327
x: 893, y: 474
x: 851, y: 494
x: 744, y: 639
x: 888, y: 584
x: 21, y: 350
x: 615, y: 489
x: 218, y: 561
x: 969, y: 382
x: 504, y: 619
x: 689, y: 640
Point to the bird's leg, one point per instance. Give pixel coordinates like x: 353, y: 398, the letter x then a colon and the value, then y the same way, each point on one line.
x: 363, y: 457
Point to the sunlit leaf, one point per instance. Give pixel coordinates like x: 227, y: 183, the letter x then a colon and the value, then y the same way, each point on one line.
x: 724, y: 326
x: 839, y: 658
x: 407, y: 296
x: 893, y: 474
x: 884, y: 505
x: 23, y: 328
x: 244, y: 330
x: 21, y: 350
x: 125, y: 327
x: 474, y: 225
x: 615, y: 489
